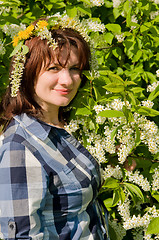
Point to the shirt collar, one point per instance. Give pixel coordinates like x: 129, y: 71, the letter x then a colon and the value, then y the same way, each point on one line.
x: 38, y: 128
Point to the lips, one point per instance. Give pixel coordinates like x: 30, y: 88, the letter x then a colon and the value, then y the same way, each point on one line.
x: 63, y: 91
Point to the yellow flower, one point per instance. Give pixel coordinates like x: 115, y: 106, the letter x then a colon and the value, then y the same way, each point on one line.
x: 22, y: 35
x: 15, y: 41
x: 29, y: 30
x: 41, y: 24
x: 26, y: 33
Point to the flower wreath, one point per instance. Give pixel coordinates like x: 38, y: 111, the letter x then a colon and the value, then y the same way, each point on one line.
x: 41, y: 29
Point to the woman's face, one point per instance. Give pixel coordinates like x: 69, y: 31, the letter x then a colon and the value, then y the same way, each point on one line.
x: 56, y: 86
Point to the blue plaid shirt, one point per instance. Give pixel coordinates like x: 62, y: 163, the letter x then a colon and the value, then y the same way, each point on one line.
x: 48, y: 185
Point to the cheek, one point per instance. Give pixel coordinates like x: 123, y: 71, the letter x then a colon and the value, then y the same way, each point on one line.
x: 78, y: 82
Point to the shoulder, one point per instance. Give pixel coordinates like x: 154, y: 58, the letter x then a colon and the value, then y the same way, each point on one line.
x: 13, y: 134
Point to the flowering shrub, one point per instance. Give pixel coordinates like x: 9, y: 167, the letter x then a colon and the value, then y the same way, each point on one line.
x: 116, y: 114
x: 125, y: 141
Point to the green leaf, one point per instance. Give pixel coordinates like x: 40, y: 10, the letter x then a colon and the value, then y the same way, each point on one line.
x: 37, y: 11
x: 156, y: 196
x: 71, y: 11
x: 128, y: 83
x: 116, y: 198
x: 16, y: 49
x: 97, y: 94
x: 137, y: 56
x: 111, y: 113
x: 118, y: 195
x: 113, y: 77
x: 115, y: 28
x: 132, y: 98
x: 147, y: 111
x: 108, y: 202
x: 25, y: 49
x: 114, y: 87
x: 108, y: 37
x: 151, y: 76
x: 134, y: 190
x: 113, y: 233
x: 114, y: 132
x: 83, y: 111
x: 137, y: 89
x: 117, y: 52
x: 137, y: 139
x: 111, y: 183
x: 128, y: 114
x: 84, y: 10
x: 154, y: 94
x: 145, y: 27
x: 153, y: 226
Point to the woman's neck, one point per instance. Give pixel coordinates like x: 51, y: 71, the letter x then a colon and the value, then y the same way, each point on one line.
x: 52, y: 118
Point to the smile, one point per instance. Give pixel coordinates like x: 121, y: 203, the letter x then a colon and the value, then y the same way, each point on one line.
x: 63, y: 91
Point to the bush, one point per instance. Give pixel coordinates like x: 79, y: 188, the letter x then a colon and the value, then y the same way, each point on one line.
x: 115, y: 115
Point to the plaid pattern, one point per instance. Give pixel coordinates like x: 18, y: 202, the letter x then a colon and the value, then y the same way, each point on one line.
x: 48, y: 185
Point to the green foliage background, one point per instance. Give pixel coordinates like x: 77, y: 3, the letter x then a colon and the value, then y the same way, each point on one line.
x: 126, y: 67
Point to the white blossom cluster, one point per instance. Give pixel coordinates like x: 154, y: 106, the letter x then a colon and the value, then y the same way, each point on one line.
x: 75, y: 24
x: 117, y: 104
x: 157, y: 73
x: 94, y: 25
x: 2, y: 48
x: 138, y: 179
x: 155, y: 1
x: 125, y: 135
x: 155, y: 180
x: 116, y: 3
x: 147, y: 103
x: 133, y: 20
x: 97, y: 149
x: 136, y: 221
x: 124, y: 210
x: 115, y: 172
x: 154, y: 14
x: 153, y: 86
x: 149, y: 134
x: 13, y: 29
x: 119, y: 230
x: 16, y: 75
x: 123, y: 152
x: 93, y: 3
x: 98, y: 108
x: 120, y: 37
x: 97, y: 3
x: 44, y: 33
x: 72, y: 126
x: 109, y: 143
x: 100, y: 120
x: 3, y: 9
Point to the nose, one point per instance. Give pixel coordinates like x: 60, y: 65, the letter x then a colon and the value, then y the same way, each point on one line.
x: 65, y: 77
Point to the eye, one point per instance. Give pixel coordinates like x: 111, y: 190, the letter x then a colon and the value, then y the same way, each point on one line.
x: 53, y: 68
x: 75, y: 68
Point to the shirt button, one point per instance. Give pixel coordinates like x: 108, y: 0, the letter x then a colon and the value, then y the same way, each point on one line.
x: 12, y: 225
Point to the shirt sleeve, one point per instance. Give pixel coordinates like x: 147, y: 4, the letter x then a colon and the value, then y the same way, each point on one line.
x: 23, y: 185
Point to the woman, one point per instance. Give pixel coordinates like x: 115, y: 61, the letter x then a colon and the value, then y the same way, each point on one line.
x: 49, y: 183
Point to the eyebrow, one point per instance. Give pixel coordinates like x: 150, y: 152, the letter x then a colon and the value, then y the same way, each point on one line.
x: 58, y: 64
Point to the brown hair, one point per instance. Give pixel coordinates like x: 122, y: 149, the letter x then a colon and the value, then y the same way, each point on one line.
x: 39, y: 53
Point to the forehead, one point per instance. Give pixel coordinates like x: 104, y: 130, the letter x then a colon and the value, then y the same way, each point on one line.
x: 63, y: 57
x: 66, y: 57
